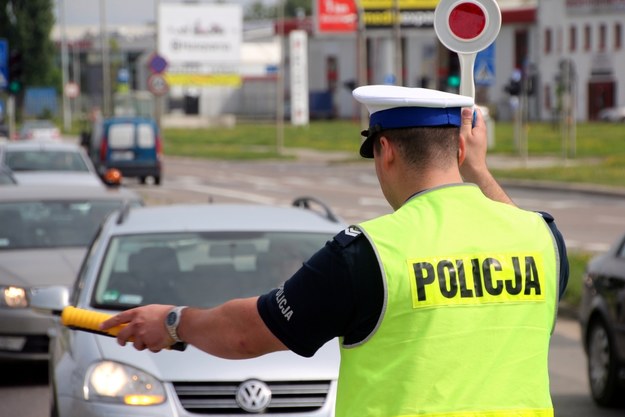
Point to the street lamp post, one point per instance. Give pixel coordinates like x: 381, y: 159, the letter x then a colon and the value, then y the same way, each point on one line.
x: 67, y: 115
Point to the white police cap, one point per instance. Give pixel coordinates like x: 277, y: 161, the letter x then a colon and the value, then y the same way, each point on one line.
x: 395, y: 107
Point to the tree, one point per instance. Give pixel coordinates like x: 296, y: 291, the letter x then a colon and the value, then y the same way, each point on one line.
x: 27, y: 25
x: 293, y: 8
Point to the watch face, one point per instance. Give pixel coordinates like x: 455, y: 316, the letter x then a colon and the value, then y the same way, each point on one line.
x: 171, y: 318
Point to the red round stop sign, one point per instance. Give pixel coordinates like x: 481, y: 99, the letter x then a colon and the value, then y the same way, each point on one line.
x: 467, y: 21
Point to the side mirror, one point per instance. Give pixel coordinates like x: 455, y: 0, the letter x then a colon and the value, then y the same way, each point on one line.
x: 112, y: 177
x: 49, y: 300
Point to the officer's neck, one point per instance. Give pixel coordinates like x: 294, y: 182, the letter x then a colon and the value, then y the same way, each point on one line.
x: 411, y: 182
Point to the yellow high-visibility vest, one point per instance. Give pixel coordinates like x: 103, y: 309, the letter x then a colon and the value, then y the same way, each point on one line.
x: 471, y: 288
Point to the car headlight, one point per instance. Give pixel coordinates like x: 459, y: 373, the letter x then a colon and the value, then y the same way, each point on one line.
x: 13, y: 297
x: 114, y: 382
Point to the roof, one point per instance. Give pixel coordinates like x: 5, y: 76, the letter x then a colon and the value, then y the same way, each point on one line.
x: 66, y: 192
x: 48, y: 145
x: 225, y: 217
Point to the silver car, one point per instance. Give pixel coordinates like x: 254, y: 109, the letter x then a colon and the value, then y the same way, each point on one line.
x: 197, y: 255
x: 47, y: 162
x: 44, y: 235
x: 39, y: 130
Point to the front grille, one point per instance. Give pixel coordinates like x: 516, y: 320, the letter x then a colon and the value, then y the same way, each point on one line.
x: 219, y: 397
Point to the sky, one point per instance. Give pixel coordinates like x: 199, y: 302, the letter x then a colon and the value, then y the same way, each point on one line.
x: 119, y: 12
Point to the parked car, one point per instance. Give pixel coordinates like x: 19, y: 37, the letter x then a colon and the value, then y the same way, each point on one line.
x: 44, y: 234
x: 39, y: 130
x: 4, y: 132
x: 35, y: 162
x: 133, y: 145
x: 602, y: 316
x: 612, y: 114
x: 196, y: 255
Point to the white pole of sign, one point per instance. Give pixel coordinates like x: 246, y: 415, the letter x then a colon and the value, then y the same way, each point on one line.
x: 467, y: 27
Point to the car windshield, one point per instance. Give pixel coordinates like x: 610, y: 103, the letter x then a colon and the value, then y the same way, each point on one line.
x: 21, y: 160
x: 198, y: 269
x: 50, y: 224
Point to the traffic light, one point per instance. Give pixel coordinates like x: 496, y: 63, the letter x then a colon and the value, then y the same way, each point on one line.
x: 513, y: 87
x: 15, y: 72
x: 453, y: 81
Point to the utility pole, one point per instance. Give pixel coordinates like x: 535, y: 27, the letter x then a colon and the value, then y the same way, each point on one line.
x: 280, y: 83
x: 362, y: 59
x: 67, y: 112
x: 397, y: 38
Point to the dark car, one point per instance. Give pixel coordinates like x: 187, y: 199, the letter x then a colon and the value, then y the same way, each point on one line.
x: 133, y: 145
x: 602, y: 316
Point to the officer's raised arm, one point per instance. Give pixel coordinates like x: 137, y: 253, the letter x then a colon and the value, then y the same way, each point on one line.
x: 472, y: 156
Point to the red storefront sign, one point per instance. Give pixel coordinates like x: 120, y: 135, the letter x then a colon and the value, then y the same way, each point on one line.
x: 336, y: 16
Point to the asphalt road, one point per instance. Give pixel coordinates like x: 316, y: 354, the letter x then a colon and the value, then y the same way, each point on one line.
x: 589, y: 219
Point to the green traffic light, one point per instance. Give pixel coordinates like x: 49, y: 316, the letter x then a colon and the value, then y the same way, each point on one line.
x: 14, y: 87
x: 453, y: 81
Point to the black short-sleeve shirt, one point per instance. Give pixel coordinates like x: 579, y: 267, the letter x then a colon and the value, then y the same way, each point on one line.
x: 339, y: 292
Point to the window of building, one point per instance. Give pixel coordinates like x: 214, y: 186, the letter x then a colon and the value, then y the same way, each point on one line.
x: 587, y: 38
x: 548, y: 41
x: 618, y: 33
x: 573, y: 38
x: 602, y: 37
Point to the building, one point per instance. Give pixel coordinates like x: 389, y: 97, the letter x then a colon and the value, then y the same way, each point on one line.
x: 567, y: 54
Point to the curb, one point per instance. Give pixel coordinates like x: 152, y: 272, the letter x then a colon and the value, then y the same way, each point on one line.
x: 601, y: 190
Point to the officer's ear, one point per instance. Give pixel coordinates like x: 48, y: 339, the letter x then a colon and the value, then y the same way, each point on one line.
x: 386, y: 150
x: 462, y: 149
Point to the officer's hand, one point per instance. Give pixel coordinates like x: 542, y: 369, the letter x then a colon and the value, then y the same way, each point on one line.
x: 476, y: 144
x: 143, y: 326
x: 473, y: 168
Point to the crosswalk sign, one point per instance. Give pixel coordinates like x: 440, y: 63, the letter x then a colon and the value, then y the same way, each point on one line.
x: 484, y: 70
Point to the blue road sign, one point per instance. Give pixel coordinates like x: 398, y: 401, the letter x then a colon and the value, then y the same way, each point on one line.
x: 157, y: 64
x: 484, y: 69
x: 4, y: 66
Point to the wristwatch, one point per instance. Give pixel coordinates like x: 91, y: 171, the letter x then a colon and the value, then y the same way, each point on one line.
x: 172, y: 320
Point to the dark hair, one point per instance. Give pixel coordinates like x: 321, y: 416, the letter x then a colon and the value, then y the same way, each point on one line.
x: 419, y: 146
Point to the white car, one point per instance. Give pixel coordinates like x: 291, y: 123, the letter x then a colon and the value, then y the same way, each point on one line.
x: 39, y: 130
x: 195, y: 255
x: 44, y: 235
x: 49, y: 163
x: 612, y: 114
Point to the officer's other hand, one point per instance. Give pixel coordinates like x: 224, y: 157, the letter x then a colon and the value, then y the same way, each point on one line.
x: 476, y: 144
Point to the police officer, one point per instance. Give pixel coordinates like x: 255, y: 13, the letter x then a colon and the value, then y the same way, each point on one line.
x: 443, y: 307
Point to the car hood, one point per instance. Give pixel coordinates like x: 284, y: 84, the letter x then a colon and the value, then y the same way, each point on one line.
x: 196, y: 365
x: 40, y: 267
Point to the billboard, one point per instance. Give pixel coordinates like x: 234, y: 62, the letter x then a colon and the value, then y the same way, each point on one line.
x: 380, y: 14
x: 200, y: 38
x: 336, y: 16
x: 298, y: 45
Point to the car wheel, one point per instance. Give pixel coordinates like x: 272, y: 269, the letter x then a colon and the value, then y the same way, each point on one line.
x: 141, y: 180
x: 157, y: 180
x: 602, y: 366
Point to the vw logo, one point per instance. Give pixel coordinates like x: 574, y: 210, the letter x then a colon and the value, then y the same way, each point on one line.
x: 253, y: 396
